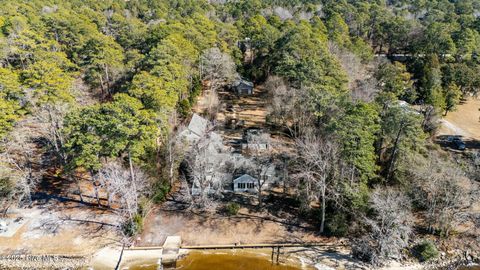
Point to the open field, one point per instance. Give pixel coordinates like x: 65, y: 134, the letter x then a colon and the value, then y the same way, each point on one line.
x: 465, y: 121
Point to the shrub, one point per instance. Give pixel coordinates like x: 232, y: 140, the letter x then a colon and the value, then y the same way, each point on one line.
x: 426, y: 251
x: 160, y: 192
x: 196, y: 90
x: 232, y: 208
x: 134, y: 226
x: 184, y: 108
x: 336, y: 225
x: 6, y: 187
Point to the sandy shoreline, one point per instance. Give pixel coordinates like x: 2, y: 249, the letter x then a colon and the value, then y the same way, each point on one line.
x: 107, y: 258
x: 304, y: 258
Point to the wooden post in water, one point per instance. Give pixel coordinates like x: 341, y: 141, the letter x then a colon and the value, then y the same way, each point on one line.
x: 278, y: 253
x: 273, y: 252
x: 120, y: 259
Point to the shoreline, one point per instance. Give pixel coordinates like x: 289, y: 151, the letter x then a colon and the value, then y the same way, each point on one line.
x: 304, y: 258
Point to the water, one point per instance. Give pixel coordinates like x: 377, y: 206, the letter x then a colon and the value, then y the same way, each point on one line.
x: 229, y: 261
x: 222, y: 261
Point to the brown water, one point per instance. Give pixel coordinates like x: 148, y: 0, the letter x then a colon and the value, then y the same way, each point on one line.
x: 229, y: 261
x: 223, y: 261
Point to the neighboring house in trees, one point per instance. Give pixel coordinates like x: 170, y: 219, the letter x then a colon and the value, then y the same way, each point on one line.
x: 256, y: 141
x: 242, y: 87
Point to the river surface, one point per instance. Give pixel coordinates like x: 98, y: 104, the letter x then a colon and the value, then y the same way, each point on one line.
x: 222, y: 261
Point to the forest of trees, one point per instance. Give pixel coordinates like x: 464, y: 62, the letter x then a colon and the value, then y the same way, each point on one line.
x: 96, y: 90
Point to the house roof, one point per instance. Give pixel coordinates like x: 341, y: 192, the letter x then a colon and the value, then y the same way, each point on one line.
x: 242, y: 81
x: 198, y: 125
x: 245, y: 179
x: 269, y: 171
x: 189, y: 136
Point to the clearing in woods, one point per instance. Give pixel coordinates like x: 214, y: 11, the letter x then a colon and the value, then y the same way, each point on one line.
x: 276, y: 223
x: 465, y: 121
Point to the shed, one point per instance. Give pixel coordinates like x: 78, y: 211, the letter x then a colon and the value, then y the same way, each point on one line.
x: 245, y: 183
x: 242, y: 87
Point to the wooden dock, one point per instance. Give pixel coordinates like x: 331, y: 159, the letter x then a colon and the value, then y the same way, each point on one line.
x: 245, y: 246
x: 256, y: 246
x: 276, y: 248
x: 172, y: 246
x: 170, y: 250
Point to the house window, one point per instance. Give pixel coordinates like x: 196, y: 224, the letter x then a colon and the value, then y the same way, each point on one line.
x: 241, y: 185
x: 250, y: 185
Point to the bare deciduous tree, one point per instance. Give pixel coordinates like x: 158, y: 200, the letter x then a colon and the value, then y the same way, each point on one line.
x: 209, y: 168
x: 51, y: 117
x: 361, y: 81
x: 17, y: 170
x: 259, y: 163
x: 317, y: 159
x: 173, y: 152
x: 123, y: 191
x: 218, y: 68
x: 286, y: 108
x: 440, y: 188
x: 388, y: 230
x: 212, y: 104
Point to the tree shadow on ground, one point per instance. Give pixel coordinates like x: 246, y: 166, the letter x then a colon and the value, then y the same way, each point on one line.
x: 277, y: 208
x: 445, y: 141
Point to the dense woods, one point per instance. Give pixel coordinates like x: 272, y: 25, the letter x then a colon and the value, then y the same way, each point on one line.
x: 100, y: 89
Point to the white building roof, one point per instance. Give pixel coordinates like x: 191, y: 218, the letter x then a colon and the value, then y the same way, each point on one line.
x: 198, y: 125
x: 245, y: 179
x: 196, y: 128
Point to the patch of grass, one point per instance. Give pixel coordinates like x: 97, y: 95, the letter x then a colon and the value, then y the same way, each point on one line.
x: 425, y: 251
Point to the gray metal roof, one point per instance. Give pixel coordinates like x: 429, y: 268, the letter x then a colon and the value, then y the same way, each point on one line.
x: 198, y: 125
x: 245, y: 179
x: 242, y: 81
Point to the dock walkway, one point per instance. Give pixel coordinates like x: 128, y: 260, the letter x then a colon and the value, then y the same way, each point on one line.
x: 245, y: 246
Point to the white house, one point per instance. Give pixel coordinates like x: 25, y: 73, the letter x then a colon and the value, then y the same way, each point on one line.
x: 245, y: 183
